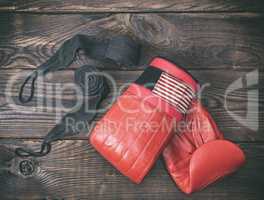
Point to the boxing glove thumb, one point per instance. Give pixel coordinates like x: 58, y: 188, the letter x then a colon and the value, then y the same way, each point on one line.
x: 198, y: 155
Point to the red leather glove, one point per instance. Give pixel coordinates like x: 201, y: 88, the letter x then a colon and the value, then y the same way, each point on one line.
x: 198, y: 155
x: 135, y: 130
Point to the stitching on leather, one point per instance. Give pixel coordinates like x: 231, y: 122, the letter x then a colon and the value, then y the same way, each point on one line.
x: 147, y: 145
x: 134, y: 140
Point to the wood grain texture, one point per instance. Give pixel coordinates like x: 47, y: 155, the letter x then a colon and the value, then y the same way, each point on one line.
x: 73, y: 170
x: 7, y: 5
x: 218, y: 41
x: 138, y: 6
x: 203, y: 41
x: 38, y: 117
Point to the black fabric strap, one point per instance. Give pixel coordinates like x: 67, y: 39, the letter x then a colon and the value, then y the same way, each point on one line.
x: 33, y: 77
x: 149, y: 77
x: 45, y: 149
x: 120, y: 50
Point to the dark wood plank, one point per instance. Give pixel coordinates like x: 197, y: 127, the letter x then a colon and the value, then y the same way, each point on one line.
x: 25, y: 122
x: 7, y: 5
x: 192, y: 40
x: 73, y: 170
x: 138, y: 6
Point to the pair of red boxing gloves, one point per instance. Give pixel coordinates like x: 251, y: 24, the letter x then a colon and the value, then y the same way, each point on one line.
x: 160, y: 114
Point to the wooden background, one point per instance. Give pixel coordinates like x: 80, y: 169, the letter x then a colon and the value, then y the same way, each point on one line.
x: 218, y: 41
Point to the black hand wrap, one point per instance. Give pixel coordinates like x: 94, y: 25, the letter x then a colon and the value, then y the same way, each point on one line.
x: 120, y: 50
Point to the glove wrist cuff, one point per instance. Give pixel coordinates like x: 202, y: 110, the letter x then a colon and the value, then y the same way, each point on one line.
x: 174, y: 70
x: 168, y: 83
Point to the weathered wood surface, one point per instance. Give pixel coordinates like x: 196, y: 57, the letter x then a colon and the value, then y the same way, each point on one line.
x: 136, y: 6
x: 75, y: 171
x: 7, y: 5
x: 218, y: 41
x: 193, y: 40
x: 24, y: 122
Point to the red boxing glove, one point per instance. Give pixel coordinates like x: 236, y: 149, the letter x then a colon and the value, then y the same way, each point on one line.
x: 135, y: 130
x: 198, y: 155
